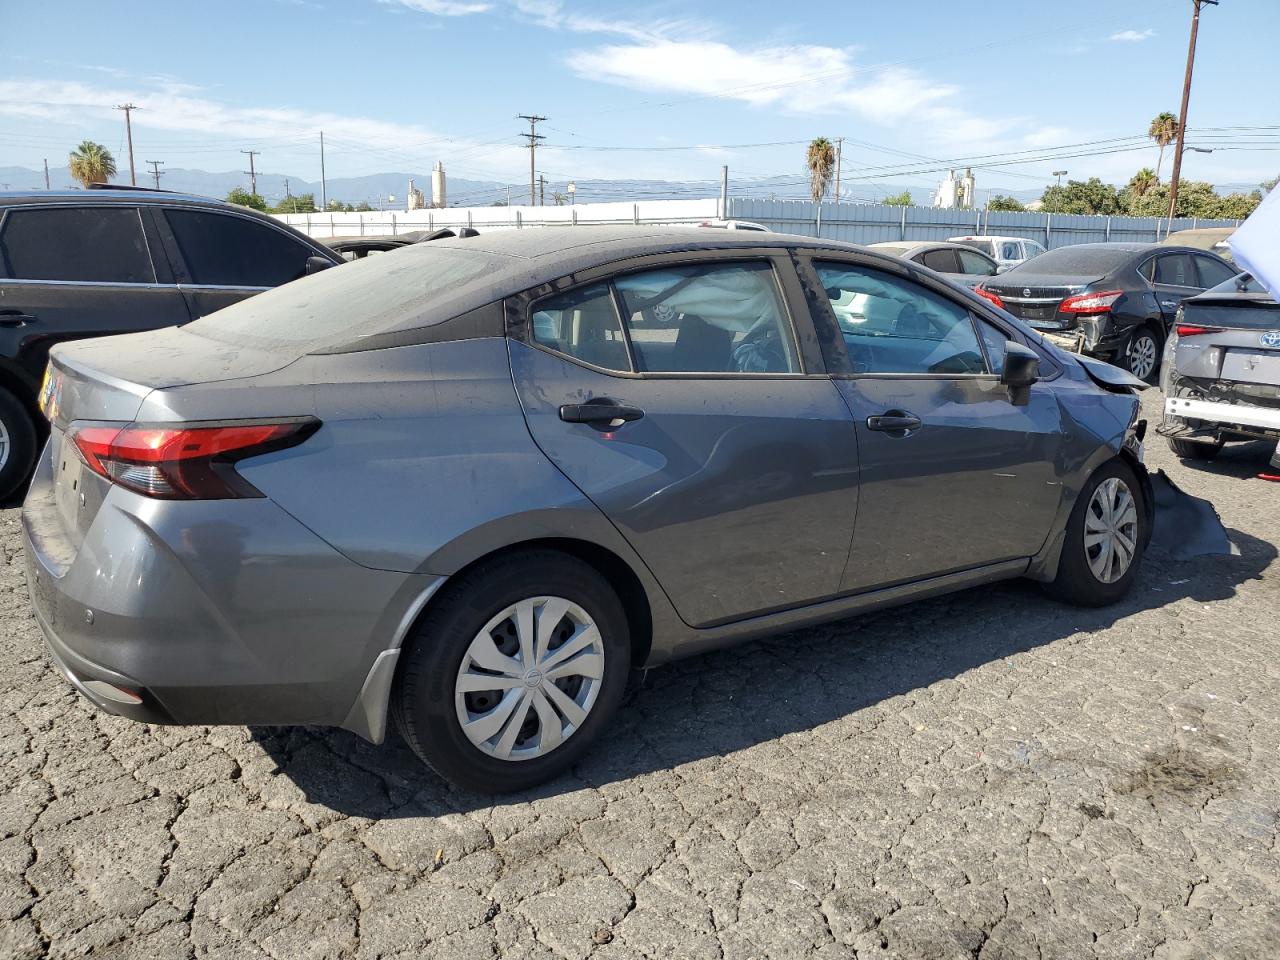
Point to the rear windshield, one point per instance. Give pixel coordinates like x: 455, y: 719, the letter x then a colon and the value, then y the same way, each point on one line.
x: 359, y: 299
x: 1082, y: 260
x: 1241, y: 283
x: 1240, y: 315
x: 986, y: 246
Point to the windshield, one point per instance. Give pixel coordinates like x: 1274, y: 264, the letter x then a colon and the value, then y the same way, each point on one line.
x: 355, y: 300
x: 1081, y: 260
x: 1241, y: 283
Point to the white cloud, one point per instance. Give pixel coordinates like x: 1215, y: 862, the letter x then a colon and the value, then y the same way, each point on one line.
x: 442, y: 8
x: 1132, y: 36
x: 552, y: 15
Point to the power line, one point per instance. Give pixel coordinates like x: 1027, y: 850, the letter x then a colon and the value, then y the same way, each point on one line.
x: 155, y: 170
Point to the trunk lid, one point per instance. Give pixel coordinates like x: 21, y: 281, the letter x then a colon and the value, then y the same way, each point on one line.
x: 1241, y: 344
x: 1035, y: 299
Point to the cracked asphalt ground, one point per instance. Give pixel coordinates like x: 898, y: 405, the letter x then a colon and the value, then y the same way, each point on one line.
x: 988, y: 774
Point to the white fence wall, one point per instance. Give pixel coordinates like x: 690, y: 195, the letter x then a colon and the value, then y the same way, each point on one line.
x: 853, y: 222
x: 381, y: 223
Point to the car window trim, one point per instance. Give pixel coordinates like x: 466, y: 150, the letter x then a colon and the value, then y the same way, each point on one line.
x: 912, y: 277
x: 520, y: 311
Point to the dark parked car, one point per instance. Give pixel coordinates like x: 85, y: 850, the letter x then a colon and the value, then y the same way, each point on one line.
x: 1110, y: 300
x: 1221, y: 375
x: 475, y: 482
x: 958, y: 262
x: 78, y: 263
x: 357, y: 248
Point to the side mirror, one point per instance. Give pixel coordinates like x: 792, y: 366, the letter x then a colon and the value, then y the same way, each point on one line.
x: 316, y: 264
x: 1021, y: 370
x: 1002, y: 268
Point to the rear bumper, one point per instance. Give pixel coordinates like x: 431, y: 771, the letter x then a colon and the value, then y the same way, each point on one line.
x: 1223, y: 415
x: 212, y: 612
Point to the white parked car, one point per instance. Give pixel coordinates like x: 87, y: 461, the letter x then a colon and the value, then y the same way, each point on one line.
x: 1006, y: 251
x: 735, y: 225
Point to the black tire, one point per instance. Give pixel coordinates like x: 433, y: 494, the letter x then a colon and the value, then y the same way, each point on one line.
x: 1076, y: 582
x: 1192, y: 450
x: 21, y: 448
x: 423, y: 699
x: 1142, y: 340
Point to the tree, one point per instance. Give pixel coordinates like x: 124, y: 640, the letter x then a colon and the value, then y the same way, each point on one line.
x: 1196, y: 198
x: 1005, y: 204
x: 91, y: 163
x: 1269, y: 185
x: 559, y: 199
x: 1087, y: 196
x: 1163, y: 130
x: 299, y: 203
x: 821, y: 161
x: 363, y: 207
x: 902, y: 199
x: 1142, y: 181
x: 246, y: 199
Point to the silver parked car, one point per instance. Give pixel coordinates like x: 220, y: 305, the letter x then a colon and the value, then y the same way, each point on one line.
x: 474, y: 484
x: 1221, y: 375
x: 958, y: 263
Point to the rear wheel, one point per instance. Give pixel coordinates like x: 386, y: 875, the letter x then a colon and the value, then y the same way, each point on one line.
x: 1193, y: 450
x: 514, y: 672
x: 1106, y: 535
x: 17, y: 443
x: 1142, y: 354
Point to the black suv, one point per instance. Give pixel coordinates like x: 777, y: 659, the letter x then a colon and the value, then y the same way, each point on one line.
x: 78, y: 263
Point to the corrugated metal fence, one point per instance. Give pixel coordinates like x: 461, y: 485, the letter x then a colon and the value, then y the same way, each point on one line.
x: 875, y: 223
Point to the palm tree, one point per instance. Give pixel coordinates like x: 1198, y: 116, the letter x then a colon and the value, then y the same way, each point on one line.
x: 1163, y: 130
x: 91, y: 163
x: 821, y: 160
x: 1142, y: 181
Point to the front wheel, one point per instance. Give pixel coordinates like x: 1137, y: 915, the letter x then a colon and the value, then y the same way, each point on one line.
x: 1105, y: 537
x: 1142, y: 355
x: 515, y: 671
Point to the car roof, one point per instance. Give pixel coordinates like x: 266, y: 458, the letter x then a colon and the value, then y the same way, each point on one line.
x: 992, y: 236
x: 914, y: 245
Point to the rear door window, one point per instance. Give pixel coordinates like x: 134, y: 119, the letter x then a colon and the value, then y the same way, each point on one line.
x: 944, y: 261
x: 892, y: 325
x: 1010, y: 251
x: 86, y: 245
x: 223, y: 250
x: 712, y: 318
x: 1175, y: 270
x: 583, y: 324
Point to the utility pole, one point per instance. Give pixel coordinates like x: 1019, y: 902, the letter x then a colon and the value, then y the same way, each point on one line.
x: 155, y: 166
x: 724, y: 192
x: 1186, y: 96
x: 46, y: 173
x: 542, y: 190
x: 324, y: 190
x: 533, y: 137
x: 253, y: 175
x: 839, y: 150
x: 128, y: 109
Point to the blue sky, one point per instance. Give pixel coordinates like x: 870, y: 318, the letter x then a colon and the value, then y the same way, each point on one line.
x: 679, y: 87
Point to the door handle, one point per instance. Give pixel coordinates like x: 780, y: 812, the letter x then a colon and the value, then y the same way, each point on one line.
x: 894, y: 421
x: 599, y: 411
x: 13, y: 318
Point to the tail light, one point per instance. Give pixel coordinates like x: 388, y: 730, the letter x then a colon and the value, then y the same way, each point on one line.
x: 1091, y: 302
x: 187, y: 461
x: 986, y: 294
x: 1191, y: 330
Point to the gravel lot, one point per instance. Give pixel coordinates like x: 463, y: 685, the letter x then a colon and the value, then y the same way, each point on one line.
x: 987, y: 774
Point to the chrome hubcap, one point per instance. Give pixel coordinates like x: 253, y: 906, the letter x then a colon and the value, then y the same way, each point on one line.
x: 1111, y: 530
x: 1142, y: 357
x: 530, y: 678
x: 4, y: 444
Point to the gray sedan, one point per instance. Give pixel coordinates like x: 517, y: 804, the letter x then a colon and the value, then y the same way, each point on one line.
x: 473, y: 485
